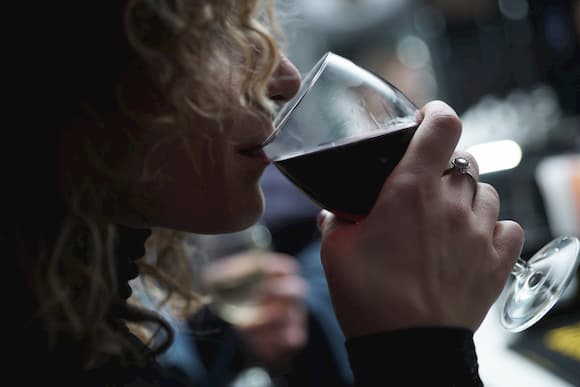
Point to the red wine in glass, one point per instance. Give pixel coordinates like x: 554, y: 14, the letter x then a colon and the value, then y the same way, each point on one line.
x: 346, y: 176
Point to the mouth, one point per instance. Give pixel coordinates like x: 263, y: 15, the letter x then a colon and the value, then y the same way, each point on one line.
x: 255, y: 152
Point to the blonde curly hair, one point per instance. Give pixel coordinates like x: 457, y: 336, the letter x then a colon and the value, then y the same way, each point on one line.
x: 195, y: 45
x: 68, y: 257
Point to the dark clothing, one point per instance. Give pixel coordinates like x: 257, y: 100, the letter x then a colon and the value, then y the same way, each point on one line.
x: 434, y: 357
x: 431, y: 357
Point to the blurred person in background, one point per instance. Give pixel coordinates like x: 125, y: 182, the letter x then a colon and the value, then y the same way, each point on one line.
x: 288, y: 339
x: 148, y: 114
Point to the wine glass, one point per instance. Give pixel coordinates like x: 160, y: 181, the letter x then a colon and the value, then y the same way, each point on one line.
x: 341, y: 136
x: 234, y: 271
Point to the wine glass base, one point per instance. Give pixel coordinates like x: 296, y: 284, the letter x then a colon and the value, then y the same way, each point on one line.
x: 533, y: 292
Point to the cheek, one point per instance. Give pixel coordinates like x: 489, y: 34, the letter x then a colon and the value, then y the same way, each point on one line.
x: 234, y: 199
x: 219, y: 194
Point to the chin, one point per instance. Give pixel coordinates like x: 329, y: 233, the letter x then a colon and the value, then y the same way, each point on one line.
x: 245, y: 219
x: 247, y: 213
x: 216, y: 224
x: 232, y: 224
x: 238, y: 216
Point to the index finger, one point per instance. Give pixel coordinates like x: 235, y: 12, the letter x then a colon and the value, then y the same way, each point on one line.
x: 434, y: 141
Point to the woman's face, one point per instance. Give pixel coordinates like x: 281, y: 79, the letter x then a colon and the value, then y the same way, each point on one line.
x: 202, y: 181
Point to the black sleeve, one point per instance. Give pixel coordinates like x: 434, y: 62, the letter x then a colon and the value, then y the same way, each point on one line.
x: 438, y: 356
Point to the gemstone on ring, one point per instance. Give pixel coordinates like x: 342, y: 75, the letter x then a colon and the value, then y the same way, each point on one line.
x: 460, y: 164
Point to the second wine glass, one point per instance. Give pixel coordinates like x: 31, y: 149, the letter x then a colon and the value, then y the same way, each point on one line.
x: 234, y: 271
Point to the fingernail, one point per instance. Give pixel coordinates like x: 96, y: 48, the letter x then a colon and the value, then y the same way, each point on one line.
x: 320, y: 219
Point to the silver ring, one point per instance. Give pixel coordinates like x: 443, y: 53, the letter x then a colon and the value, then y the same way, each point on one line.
x: 460, y: 165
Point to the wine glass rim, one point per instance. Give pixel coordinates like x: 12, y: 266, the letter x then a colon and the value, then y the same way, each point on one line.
x: 307, y: 84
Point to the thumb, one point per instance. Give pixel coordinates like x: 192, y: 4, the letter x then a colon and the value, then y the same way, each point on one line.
x: 327, y: 222
x: 324, y: 221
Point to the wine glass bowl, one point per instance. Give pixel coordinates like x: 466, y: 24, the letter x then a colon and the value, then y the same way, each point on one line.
x: 234, y: 271
x: 341, y: 135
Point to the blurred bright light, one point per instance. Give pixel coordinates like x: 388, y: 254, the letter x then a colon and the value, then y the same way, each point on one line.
x: 496, y: 155
x: 514, y: 9
x: 347, y: 15
x: 413, y: 52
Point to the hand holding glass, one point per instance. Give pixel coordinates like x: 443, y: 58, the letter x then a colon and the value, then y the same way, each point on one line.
x: 341, y: 136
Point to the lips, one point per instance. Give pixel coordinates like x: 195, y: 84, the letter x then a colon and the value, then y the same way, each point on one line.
x: 256, y: 152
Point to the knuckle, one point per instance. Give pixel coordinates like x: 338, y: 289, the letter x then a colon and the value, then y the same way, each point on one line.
x: 457, y: 215
x: 406, y: 191
x: 489, y: 194
x: 518, y: 231
x: 408, y: 182
x: 482, y: 238
x: 446, y: 119
x: 404, y: 185
x: 491, y: 190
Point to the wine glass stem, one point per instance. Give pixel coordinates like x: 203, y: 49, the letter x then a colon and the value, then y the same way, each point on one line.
x: 520, y: 267
x: 524, y: 273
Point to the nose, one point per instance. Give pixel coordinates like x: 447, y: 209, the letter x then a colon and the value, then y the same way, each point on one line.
x: 285, y: 82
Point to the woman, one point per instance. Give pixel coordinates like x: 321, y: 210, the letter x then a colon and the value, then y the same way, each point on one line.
x: 145, y: 114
